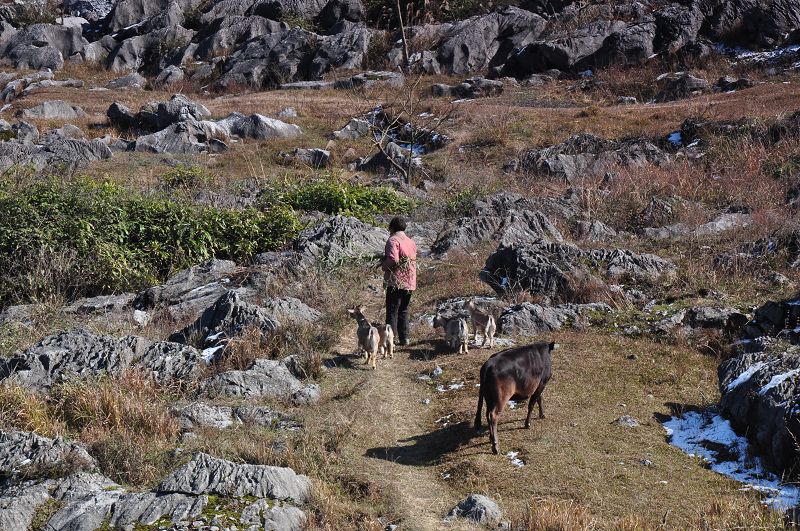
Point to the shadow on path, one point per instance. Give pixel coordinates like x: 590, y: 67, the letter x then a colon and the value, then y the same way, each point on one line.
x: 425, y: 449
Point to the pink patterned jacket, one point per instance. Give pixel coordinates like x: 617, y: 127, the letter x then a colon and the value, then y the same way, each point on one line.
x: 400, y: 262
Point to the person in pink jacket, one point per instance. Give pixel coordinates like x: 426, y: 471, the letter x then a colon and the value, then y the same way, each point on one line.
x: 399, y: 277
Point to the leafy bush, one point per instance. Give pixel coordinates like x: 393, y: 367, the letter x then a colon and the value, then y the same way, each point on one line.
x: 81, y: 237
x: 335, y: 196
x: 186, y: 177
x: 460, y: 203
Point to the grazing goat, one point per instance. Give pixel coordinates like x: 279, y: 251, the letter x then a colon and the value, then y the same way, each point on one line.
x: 372, y: 338
x: 514, y: 374
x: 483, y: 321
x: 456, y: 332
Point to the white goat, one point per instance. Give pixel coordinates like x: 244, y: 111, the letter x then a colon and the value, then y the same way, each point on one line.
x: 483, y: 321
x: 372, y: 338
x: 456, y: 332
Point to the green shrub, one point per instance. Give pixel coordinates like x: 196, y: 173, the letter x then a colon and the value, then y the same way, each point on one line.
x: 87, y: 238
x: 460, y: 203
x: 335, y: 196
x: 186, y: 177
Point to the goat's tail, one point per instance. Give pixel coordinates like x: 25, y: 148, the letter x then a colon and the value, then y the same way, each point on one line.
x: 480, y: 398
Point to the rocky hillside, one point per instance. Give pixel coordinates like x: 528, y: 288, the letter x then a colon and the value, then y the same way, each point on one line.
x: 194, y: 193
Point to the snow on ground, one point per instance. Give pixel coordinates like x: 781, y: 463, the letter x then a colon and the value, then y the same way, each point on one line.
x: 516, y: 461
x: 704, y: 434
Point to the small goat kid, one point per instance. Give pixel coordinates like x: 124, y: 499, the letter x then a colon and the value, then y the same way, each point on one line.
x: 372, y: 338
x: 483, y: 321
x: 456, y: 332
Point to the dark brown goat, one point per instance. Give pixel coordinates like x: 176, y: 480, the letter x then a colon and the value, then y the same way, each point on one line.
x: 514, y: 374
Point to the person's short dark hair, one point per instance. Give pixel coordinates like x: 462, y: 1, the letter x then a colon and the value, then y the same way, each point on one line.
x: 397, y: 224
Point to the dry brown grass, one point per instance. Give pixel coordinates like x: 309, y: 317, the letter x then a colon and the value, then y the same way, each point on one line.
x: 125, y: 423
x: 22, y: 409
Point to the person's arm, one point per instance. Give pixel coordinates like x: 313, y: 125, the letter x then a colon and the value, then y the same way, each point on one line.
x: 392, y: 253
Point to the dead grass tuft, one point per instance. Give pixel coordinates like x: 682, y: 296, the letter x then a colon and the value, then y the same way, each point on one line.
x: 125, y: 422
x: 22, y: 409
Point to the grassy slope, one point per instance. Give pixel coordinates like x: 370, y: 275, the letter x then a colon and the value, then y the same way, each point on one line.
x: 373, y: 445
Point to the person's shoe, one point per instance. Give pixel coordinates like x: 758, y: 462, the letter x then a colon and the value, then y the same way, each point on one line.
x: 404, y: 342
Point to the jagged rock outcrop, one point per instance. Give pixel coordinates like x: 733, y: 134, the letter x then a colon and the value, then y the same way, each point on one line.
x: 681, y: 85
x: 79, y: 353
x: 509, y: 227
x: 180, y: 126
x: 53, y: 110
x: 31, y: 454
x: 229, y: 316
x: 265, y: 378
x: 563, y: 272
x: 587, y: 154
x: 528, y: 319
x: 312, y: 157
x: 55, y: 152
x: 477, y: 43
x: 760, y: 396
x: 340, y: 238
x: 192, y: 290
x: 208, y: 475
x: 221, y: 417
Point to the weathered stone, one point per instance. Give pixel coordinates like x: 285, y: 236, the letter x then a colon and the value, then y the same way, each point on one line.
x: 340, y: 238
x: 681, y: 85
x: 79, y: 353
x: 27, y: 452
x: 273, y: 517
x: 207, y: 475
x: 478, y: 509
x: 530, y: 320
x: 53, y: 110
x: 476, y: 87
x: 131, y: 81
x: 265, y: 378
x: 587, y: 154
x: 557, y: 270
x: 514, y: 227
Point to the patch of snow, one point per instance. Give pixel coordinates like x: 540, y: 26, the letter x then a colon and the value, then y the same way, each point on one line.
x: 695, y: 432
x: 676, y: 138
x: 212, y: 337
x: 437, y: 371
x: 516, y: 461
x: 209, y: 354
x: 512, y: 404
x: 586, y: 73
x: 503, y: 342
x: 746, y: 375
x: 777, y: 380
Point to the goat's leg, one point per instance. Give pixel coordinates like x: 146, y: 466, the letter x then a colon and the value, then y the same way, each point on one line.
x: 391, y: 348
x: 541, y: 411
x: 531, y: 401
x: 493, y: 416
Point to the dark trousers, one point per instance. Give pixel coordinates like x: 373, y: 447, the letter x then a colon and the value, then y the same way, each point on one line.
x: 397, y: 301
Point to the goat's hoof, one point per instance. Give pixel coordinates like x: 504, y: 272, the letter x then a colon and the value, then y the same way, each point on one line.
x: 541, y: 416
x: 527, y: 425
x: 495, y: 451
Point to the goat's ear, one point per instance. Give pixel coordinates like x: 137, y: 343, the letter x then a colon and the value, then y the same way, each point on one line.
x: 351, y: 312
x: 553, y: 346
